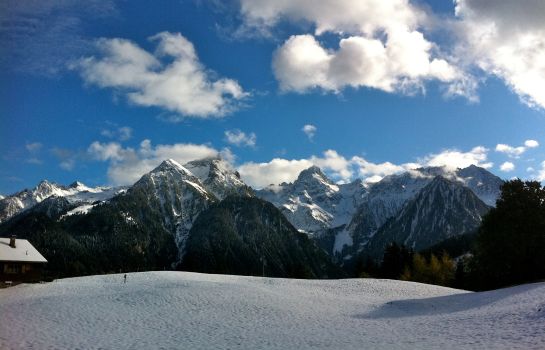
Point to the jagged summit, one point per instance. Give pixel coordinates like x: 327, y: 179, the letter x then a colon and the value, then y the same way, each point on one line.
x: 76, y: 194
x: 170, y: 164
x: 311, y: 172
x: 313, y: 203
x: 218, y: 177
x: 76, y: 184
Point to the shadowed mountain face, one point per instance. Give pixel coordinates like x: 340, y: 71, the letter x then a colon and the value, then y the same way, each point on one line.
x: 177, y: 214
x: 344, y: 219
x: 150, y: 225
x: 441, y: 210
x: 248, y: 236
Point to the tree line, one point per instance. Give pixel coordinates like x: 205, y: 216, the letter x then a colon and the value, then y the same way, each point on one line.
x: 507, y: 249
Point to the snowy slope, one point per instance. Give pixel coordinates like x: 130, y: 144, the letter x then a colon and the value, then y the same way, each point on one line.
x: 177, y: 193
x: 76, y: 193
x: 177, y: 310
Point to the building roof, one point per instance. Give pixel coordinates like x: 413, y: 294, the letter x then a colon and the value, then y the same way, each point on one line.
x: 24, y: 252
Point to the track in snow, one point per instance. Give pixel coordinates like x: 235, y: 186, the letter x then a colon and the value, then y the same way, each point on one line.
x: 179, y: 310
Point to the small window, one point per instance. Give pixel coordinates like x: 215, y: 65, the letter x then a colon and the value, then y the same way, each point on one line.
x: 12, y: 268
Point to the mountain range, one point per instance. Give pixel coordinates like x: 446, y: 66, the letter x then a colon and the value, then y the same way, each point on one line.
x: 201, y: 216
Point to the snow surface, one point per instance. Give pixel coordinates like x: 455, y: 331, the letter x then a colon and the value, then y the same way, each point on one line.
x: 179, y: 310
x: 81, y: 210
x: 23, y: 252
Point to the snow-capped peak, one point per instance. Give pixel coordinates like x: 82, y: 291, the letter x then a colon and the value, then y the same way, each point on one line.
x: 169, y: 165
x: 218, y: 177
x: 314, y: 203
x: 77, y: 193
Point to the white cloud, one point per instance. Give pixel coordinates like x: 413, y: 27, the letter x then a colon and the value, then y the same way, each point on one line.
x: 338, y: 167
x: 127, y: 165
x: 531, y: 143
x: 381, y: 46
x: 239, y: 138
x: 510, y: 150
x: 507, y: 166
x: 516, y: 152
x: 276, y: 171
x: 343, y: 169
x: 506, y: 39
x: 172, y: 78
x: 309, y: 130
x: 453, y: 158
x: 33, y: 147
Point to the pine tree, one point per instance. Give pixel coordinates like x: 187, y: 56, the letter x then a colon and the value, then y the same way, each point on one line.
x: 395, y: 259
x: 511, y: 240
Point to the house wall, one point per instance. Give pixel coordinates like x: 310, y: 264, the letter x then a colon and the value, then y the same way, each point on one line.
x: 20, y: 272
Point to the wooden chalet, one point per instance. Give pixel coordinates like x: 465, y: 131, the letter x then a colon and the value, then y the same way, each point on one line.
x: 19, y: 261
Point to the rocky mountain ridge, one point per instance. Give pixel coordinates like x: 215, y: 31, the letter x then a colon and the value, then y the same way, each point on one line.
x: 417, y: 208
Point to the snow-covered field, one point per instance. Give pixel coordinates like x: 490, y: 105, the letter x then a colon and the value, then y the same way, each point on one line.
x: 178, y: 310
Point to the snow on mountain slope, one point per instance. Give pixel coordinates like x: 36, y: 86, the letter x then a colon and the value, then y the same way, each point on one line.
x: 218, y: 177
x: 176, y: 310
x: 441, y: 210
x: 482, y: 182
x: 76, y: 193
x: 313, y: 203
x: 387, y: 198
x: 177, y: 193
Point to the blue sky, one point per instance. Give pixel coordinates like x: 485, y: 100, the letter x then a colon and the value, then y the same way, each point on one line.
x: 98, y: 94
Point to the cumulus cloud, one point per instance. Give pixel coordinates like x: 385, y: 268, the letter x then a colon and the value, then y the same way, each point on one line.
x: 510, y: 150
x: 309, y: 130
x: 516, y: 152
x: 172, y: 78
x: 381, y: 45
x: 453, y: 158
x: 531, y: 143
x: 239, y: 138
x: 127, y: 165
x: 506, y: 39
x: 276, y: 171
x: 337, y: 166
x: 507, y: 167
x: 343, y: 169
x: 302, y: 63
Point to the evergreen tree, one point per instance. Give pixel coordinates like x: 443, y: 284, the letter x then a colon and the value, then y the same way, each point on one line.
x: 395, y: 259
x: 511, y: 240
